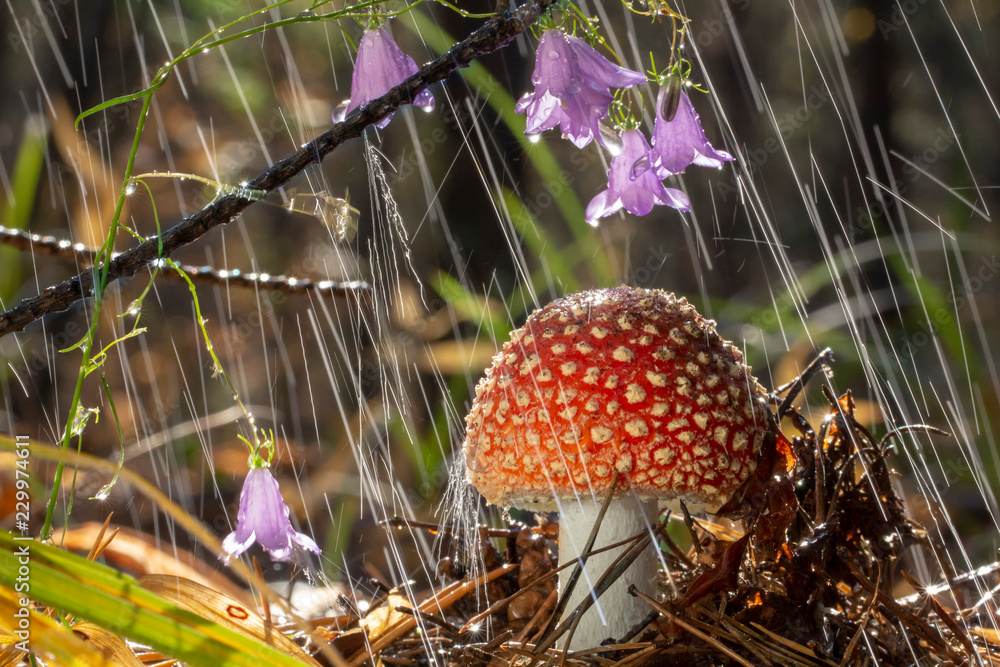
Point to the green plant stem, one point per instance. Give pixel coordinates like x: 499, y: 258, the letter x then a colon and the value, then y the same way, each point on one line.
x: 103, y: 261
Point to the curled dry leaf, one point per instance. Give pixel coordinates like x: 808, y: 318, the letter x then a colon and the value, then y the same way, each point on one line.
x: 224, y: 610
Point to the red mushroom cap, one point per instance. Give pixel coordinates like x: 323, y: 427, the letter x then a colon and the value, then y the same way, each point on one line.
x: 624, y: 378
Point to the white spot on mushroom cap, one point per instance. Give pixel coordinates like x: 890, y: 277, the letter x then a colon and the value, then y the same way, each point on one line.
x: 601, y: 434
x: 637, y: 428
x: 739, y: 441
x: 677, y: 424
x: 568, y: 413
x: 634, y: 393
x: 664, y: 354
x: 664, y: 455
x: 623, y: 354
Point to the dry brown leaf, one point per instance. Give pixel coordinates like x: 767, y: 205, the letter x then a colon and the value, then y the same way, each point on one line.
x: 222, y: 609
x: 378, y: 622
x: 110, y: 645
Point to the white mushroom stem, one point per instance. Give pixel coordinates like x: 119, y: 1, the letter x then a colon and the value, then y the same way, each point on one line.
x: 615, y: 612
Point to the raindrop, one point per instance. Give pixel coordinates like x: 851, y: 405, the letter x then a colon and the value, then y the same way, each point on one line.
x: 506, y: 515
x: 554, y: 56
x: 335, y: 213
x: 307, y: 14
x: 340, y: 111
x: 640, y: 167
x: 131, y: 187
x: 672, y: 98
x: 534, y: 138
x: 610, y: 139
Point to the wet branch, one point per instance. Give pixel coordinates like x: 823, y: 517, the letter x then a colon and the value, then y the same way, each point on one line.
x: 81, y: 254
x: 492, y: 36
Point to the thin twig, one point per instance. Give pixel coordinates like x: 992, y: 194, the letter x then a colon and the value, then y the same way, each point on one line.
x: 81, y: 254
x: 896, y: 432
x: 492, y: 36
x: 937, y: 643
x: 689, y: 522
x: 429, y: 617
x: 616, y: 569
x: 500, y: 604
x: 439, y: 602
x: 580, y: 560
x: 795, y: 386
x: 708, y: 639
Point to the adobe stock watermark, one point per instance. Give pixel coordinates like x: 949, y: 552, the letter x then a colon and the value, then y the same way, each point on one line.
x: 788, y: 124
x: 38, y: 361
x: 864, y: 218
x: 711, y: 29
x: 28, y: 27
x: 987, y: 271
x: 897, y: 19
x: 644, y: 275
x: 21, y: 624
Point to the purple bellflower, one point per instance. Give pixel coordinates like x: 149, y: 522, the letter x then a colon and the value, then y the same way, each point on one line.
x: 263, y: 517
x: 633, y: 183
x: 572, y: 87
x: 681, y: 141
x: 380, y: 66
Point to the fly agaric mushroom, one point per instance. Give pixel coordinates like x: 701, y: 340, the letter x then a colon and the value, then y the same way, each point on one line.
x: 624, y: 379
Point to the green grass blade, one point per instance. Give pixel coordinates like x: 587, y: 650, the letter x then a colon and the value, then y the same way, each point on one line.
x: 539, y: 242
x: 116, y: 602
x: 17, y: 211
x: 471, y: 306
